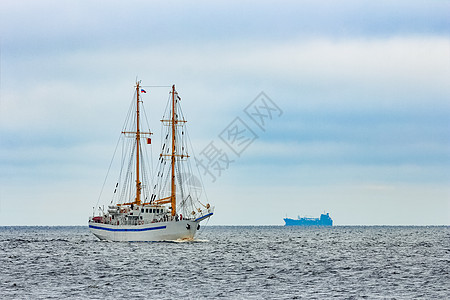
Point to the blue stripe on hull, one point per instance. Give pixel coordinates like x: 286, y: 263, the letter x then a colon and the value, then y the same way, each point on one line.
x: 204, y: 217
x: 125, y: 229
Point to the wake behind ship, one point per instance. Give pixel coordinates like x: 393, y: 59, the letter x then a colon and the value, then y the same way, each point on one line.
x: 324, y: 220
x: 165, y: 208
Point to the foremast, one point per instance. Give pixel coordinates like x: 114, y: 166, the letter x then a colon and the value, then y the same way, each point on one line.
x: 138, y: 141
x: 137, y: 135
x: 173, y: 187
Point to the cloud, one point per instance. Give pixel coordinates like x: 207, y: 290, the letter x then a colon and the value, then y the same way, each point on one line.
x: 52, y: 26
x: 331, y: 92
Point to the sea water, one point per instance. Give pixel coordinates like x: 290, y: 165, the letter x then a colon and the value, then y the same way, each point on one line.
x: 257, y: 262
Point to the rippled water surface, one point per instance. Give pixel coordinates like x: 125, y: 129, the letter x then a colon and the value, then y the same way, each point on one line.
x: 230, y: 263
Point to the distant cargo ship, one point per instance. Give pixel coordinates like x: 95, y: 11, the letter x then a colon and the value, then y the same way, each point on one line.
x: 324, y: 220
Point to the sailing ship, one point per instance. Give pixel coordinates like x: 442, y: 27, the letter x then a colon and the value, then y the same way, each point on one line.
x: 170, y: 208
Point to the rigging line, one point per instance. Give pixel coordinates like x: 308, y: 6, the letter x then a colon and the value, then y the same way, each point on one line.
x: 149, y: 178
x: 129, y: 113
x: 198, y: 170
x: 167, y: 105
x: 180, y: 180
x: 151, y: 148
x: 122, y: 163
x: 145, y: 176
x: 162, y: 165
x: 129, y: 175
x: 107, y: 173
x: 115, y: 150
x: 157, y: 86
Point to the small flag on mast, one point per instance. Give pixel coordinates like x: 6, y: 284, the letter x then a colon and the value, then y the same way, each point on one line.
x: 149, y: 140
x: 143, y: 91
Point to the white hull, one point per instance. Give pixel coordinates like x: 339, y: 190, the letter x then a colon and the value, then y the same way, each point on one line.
x: 161, y: 231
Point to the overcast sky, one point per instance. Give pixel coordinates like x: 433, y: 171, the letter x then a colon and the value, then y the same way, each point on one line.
x: 359, y: 91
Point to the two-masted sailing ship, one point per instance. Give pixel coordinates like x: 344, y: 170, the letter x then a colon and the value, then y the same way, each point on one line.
x: 170, y: 208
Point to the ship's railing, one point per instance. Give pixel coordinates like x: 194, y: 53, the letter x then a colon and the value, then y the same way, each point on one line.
x: 158, y: 219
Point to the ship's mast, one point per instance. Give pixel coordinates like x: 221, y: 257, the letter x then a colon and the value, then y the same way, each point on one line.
x: 137, y: 136
x: 173, y: 188
x: 138, y: 139
x: 172, y: 122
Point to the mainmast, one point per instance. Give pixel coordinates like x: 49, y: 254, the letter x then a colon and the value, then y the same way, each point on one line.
x: 173, y: 188
x: 138, y: 139
x: 172, y: 122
